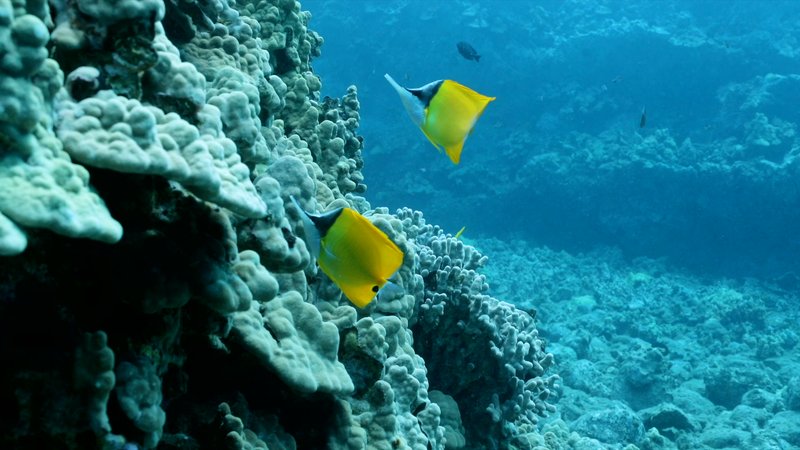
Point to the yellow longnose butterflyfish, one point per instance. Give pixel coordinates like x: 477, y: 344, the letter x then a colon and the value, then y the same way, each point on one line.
x: 445, y: 111
x: 353, y: 252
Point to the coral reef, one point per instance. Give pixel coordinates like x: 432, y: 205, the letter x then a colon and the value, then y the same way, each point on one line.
x: 39, y: 185
x: 170, y: 135
x: 657, y: 358
x: 506, y: 347
x: 723, y: 207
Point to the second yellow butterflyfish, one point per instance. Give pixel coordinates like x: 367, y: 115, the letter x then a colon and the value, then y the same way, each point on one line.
x: 445, y: 111
x: 354, y: 253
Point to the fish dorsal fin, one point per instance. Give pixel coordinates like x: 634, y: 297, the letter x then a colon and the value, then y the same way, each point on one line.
x: 323, y: 222
x: 315, y: 226
x: 427, y: 92
x: 414, y: 100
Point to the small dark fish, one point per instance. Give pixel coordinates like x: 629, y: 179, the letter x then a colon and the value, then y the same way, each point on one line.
x: 468, y: 52
x: 643, y: 120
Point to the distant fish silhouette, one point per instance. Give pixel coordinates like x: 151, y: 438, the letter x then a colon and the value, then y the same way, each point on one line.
x: 468, y: 52
x: 643, y: 120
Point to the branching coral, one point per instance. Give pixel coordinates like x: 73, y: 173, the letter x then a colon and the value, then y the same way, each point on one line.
x: 459, y: 325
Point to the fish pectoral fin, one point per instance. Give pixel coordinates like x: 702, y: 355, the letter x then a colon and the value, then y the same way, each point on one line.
x: 454, y: 152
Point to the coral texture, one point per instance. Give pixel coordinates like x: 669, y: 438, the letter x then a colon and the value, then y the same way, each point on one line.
x: 459, y: 325
x: 194, y: 316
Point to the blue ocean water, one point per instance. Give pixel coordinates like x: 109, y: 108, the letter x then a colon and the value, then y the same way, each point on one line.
x: 559, y: 158
x: 626, y: 278
x: 662, y: 259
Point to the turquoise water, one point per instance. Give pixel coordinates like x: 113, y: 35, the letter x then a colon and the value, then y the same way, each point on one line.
x: 612, y: 265
x: 559, y: 158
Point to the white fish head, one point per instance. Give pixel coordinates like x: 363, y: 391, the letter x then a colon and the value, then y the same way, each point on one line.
x: 415, y: 107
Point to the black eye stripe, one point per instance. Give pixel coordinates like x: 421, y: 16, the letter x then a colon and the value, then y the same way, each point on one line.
x: 375, y: 288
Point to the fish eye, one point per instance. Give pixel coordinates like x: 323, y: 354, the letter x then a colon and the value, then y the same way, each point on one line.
x: 375, y: 288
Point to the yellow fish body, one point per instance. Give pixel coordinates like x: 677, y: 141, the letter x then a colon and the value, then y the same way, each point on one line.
x: 353, y: 252
x: 445, y: 111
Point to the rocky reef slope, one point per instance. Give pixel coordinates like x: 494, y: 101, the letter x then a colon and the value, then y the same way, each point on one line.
x: 155, y: 290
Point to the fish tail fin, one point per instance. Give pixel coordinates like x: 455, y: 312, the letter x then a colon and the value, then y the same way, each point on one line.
x: 313, y: 240
x: 454, y: 152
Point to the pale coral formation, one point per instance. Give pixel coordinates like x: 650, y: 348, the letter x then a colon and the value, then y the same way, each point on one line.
x: 396, y: 411
x: 259, y: 280
x: 12, y: 239
x: 39, y: 185
x: 757, y: 92
x: 285, y: 33
x: 207, y: 323
x: 459, y: 325
x: 138, y: 392
x: 178, y: 85
x: 116, y: 133
x: 450, y: 420
x: 111, y: 12
x: 236, y: 436
x: 289, y: 337
x: 94, y: 375
x: 763, y: 132
x: 45, y: 190
x: 271, y: 237
x: 395, y: 404
x: 634, y: 346
x: 237, y: 98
